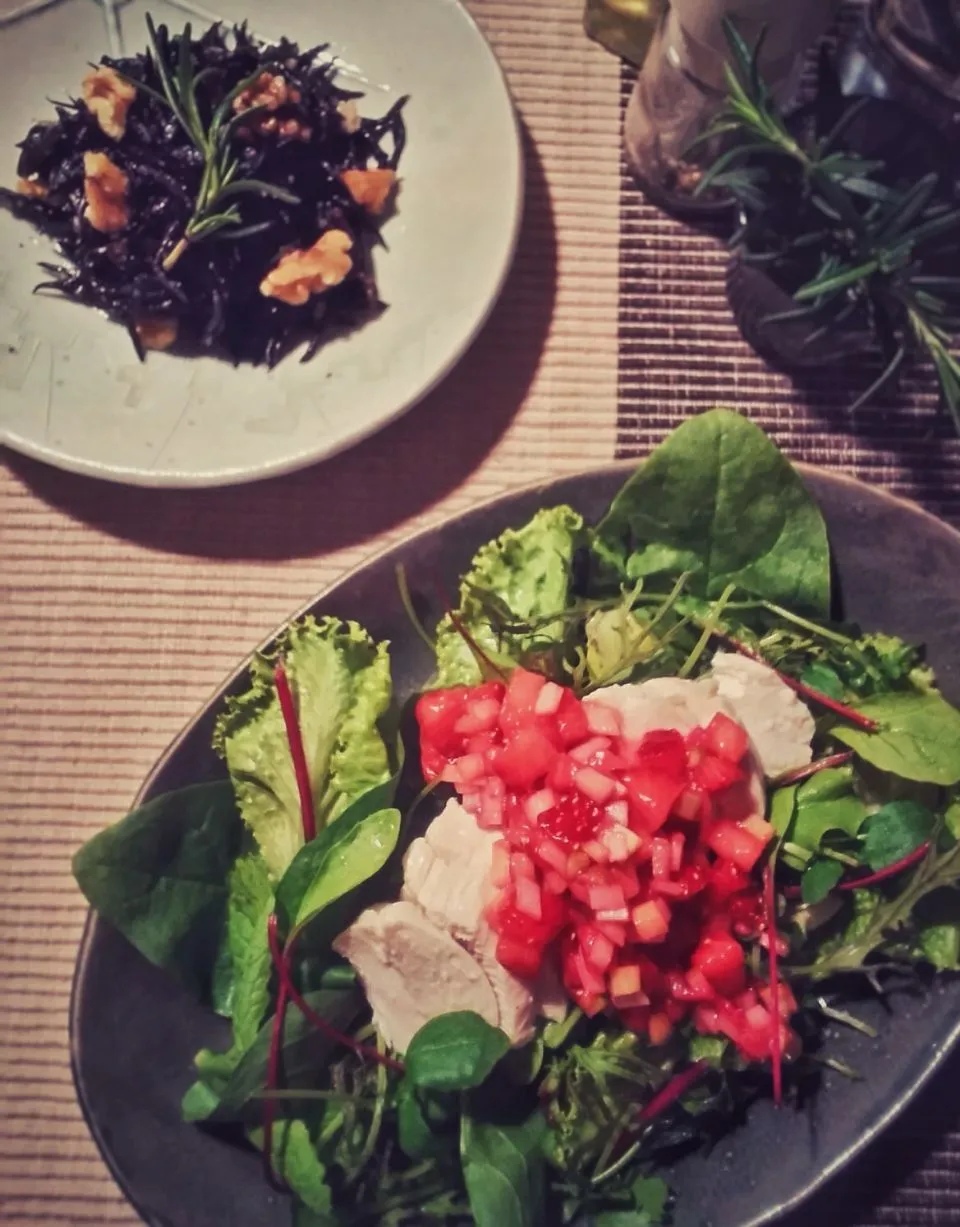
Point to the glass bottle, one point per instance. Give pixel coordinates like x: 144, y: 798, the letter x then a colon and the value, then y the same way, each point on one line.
x: 624, y: 27
x: 681, y: 84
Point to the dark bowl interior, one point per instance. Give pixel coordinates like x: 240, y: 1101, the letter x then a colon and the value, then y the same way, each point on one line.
x: 134, y: 1032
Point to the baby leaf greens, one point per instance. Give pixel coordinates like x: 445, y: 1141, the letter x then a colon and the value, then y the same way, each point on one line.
x: 240, y: 887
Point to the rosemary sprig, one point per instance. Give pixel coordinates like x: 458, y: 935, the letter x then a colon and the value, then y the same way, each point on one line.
x: 868, y: 244
x: 215, y: 208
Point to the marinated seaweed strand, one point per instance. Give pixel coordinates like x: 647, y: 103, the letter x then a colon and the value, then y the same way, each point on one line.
x: 210, y: 297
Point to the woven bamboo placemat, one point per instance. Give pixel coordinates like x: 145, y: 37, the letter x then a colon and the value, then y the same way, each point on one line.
x: 121, y: 609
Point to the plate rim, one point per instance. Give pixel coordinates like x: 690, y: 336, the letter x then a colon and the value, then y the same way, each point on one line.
x: 178, y: 479
x: 829, y: 1170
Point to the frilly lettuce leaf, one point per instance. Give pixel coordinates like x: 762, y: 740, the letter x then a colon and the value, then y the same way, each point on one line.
x: 518, y: 578
x: 341, y: 683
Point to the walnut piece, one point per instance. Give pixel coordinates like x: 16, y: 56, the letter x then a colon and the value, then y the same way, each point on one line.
x: 105, y: 189
x: 268, y: 91
x: 350, y: 115
x: 107, y: 97
x: 33, y: 188
x: 156, y: 331
x: 300, y: 273
x: 370, y: 188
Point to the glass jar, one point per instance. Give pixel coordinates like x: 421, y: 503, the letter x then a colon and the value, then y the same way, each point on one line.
x: 909, y: 51
x: 624, y: 27
x: 681, y: 84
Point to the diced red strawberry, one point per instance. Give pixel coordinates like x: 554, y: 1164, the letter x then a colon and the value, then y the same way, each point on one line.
x: 732, y: 843
x: 714, y: 774
x: 722, y: 962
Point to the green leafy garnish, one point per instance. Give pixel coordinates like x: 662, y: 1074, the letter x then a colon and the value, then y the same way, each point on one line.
x: 214, y: 209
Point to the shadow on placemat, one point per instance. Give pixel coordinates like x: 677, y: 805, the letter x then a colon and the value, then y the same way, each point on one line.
x: 909, y: 1177
x: 374, y: 486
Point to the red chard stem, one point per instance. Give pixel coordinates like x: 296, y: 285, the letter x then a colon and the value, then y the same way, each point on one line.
x: 821, y: 764
x: 815, y: 696
x: 888, y: 871
x: 672, y: 1091
x: 289, y: 991
x: 301, y: 771
x: 770, y: 904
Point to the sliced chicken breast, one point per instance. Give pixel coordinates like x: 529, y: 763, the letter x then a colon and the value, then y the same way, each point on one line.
x: 779, y: 724
x: 447, y: 872
x: 412, y: 971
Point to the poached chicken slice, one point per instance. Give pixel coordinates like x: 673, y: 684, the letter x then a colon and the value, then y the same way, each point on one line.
x: 412, y: 971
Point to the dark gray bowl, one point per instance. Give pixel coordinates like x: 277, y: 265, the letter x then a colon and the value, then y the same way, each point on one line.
x: 133, y: 1032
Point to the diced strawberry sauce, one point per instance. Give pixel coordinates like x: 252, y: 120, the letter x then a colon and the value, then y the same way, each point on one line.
x: 632, y: 859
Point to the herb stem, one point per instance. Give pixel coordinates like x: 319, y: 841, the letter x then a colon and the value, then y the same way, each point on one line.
x: 847, y: 1020
x: 709, y: 629
x: 677, y: 1086
x: 301, y: 771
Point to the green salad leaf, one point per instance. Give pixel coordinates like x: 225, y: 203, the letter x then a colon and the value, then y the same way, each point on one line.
x: 227, y: 1085
x: 161, y: 875
x: 296, y: 1162
x: 826, y: 802
x: 342, y: 857
x: 454, y: 1052
x: 504, y: 1171
x: 521, y: 576
x: 918, y: 737
x: 819, y: 879
x: 718, y: 499
x: 249, y: 904
x: 341, y: 680
x: 894, y: 831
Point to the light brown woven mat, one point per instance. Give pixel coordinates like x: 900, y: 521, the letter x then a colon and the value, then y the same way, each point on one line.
x: 120, y: 610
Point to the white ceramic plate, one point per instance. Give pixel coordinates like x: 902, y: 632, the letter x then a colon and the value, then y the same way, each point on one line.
x: 72, y: 392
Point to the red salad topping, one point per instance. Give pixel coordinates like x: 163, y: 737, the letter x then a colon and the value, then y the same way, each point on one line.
x: 632, y: 859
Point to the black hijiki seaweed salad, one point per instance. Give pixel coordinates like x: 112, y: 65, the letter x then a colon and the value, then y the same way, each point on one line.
x: 215, y: 193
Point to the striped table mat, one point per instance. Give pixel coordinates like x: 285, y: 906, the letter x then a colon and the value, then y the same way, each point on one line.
x: 121, y: 609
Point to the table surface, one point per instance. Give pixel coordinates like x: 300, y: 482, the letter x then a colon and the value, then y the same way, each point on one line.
x: 121, y: 609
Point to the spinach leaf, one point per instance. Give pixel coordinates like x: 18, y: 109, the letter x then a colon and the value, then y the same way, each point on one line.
x: 521, y: 576
x: 894, y: 831
x: 342, y: 857
x: 504, y: 1171
x: 826, y: 802
x: 341, y: 680
x: 712, y: 1048
x: 305, y: 1052
x: 819, y: 879
x: 918, y: 738
x: 718, y: 499
x: 161, y: 876
x: 424, y: 1121
x: 454, y: 1052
